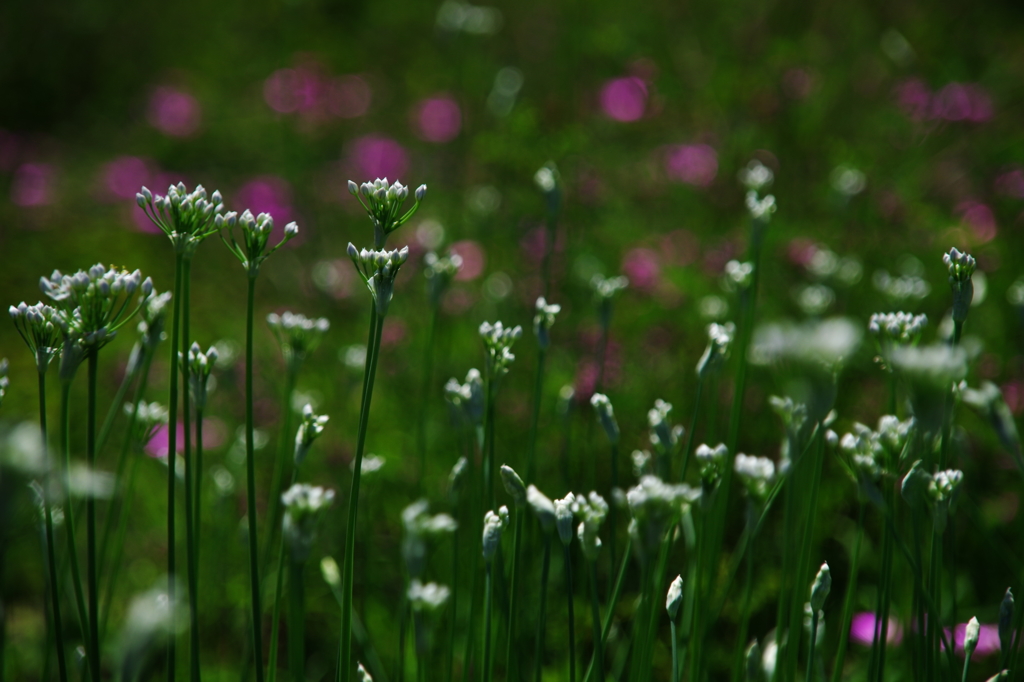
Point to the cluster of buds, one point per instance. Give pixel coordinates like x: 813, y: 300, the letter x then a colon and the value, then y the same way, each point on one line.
x: 563, y: 517
x: 199, y: 366
x: 591, y: 511
x: 903, y: 328
x: 961, y: 267
x: 606, y: 415
x: 494, y: 524
x: 711, y: 460
x: 656, y: 506
x: 457, y: 480
x: 467, y: 399
x: 187, y: 218
x: 864, y: 449
x: 297, y: 335
x: 755, y: 176
x: 498, y: 340
x: 430, y: 597
x: 543, y: 319
x: 820, y: 588
x: 605, y: 289
x: 674, y: 598
x: 383, y: 203
x: 543, y: 507
x: 255, y: 237
x: 664, y: 436
x: 419, y: 526
x: 440, y: 271
x: 720, y: 338
x: 642, y: 461
x: 761, y: 209
x: 304, y: 506
x: 755, y: 473
x: 154, y: 315
x: 547, y: 179
x: 514, y: 485
x: 378, y: 270
x: 737, y: 276
x: 92, y: 305
x: 40, y: 327
x: 939, y: 490
x: 149, y: 418
x: 310, y: 428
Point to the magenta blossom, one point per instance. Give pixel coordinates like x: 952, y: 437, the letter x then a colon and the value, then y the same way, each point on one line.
x: 438, y: 119
x: 1011, y: 183
x: 372, y: 157
x: 123, y: 177
x: 988, y: 640
x: 693, y: 164
x: 32, y: 185
x: 174, y: 112
x: 474, y: 259
x: 624, y: 99
x: 979, y: 218
x: 862, y: 629
x: 213, y: 437
x: 643, y: 267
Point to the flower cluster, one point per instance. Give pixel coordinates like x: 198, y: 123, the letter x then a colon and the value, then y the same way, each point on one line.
x: 310, y: 428
x: 674, y: 597
x: 440, y: 271
x: 961, y: 267
x: 255, y: 237
x: 154, y: 315
x: 605, y: 288
x: 899, y: 327
x: 92, y: 305
x: 494, y: 524
x: 737, y: 276
x: 761, y: 209
x: 606, y: 415
x: 664, y: 436
x: 199, y: 366
x: 297, y: 334
x: 720, y: 338
x: 563, y: 517
x: 498, y: 340
x: 755, y: 473
x: 187, y: 218
x: 467, y: 399
x: 40, y: 327
x: 543, y: 320
x: 383, y: 203
x: 304, y: 506
x: 419, y: 525
x: 430, y: 597
x: 592, y: 511
x: 656, y: 506
x: 149, y: 417
x: 939, y: 490
x: 378, y: 270
x: 711, y: 460
x: 756, y: 176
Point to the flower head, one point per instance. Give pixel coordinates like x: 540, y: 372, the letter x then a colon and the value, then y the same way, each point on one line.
x: 440, y: 271
x: 378, y: 270
x: 494, y: 524
x: 664, y: 436
x: 419, y: 525
x: 656, y: 506
x: 304, y: 506
x: 606, y: 415
x: 256, y: 231
x: 756, y: 176
x: 310, y: 428
x: 93, y: 304
x: 592, y: 511
x: 542, y: 506
x: 513, y: 485
x: 430, y: 597
x: 674, y: 597
x: 961, y: 267
x: 297, y: 334
x: 187, y: 218
x: 498, y: 340
x: 200, y: 365
x: 40, y: 328
x: 543, y: 320
x: 711, y: 460
x: 761, y: 209
x: 563, y: 517
x: 383, y: 203
x: 720, y: 337
x: 467, y: 399
x: 755, y: 473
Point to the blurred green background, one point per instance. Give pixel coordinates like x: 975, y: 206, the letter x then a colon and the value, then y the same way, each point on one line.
x: 895, y: 130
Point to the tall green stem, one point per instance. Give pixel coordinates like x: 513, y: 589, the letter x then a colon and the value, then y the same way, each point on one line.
x: 428, y: 380
x: 51, y: 560
x: 572, y: 616
x: 69, y: 511
x: 488, y: 598
x: 812, y: 647
x: 197, y: 517
x: 675, y: 651
x: 172, y: 450
x: 511, y: 658
x: 345, y: 671
x: 191, y: 539
x: 538, y: 649
x: 297, y: 620
x: 848, y: 599
x: 90, y: 511
x: 595, y: 614
x: 612, y: 512
x: 538, y: 391
x: 250, y: 463
x: 748, y: 579
x: 606, y: 625
x: 688, y: 449
x: 455, y: 603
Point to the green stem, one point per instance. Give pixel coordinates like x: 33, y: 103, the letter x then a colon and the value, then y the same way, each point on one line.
x: 428, y: 379
x: 511, y: 659
x: 811, y: 647
x: 489, y: 391
x: 250, y: 463
x: 69, y: 511
x: 606, y: 625
x: 455, y: 604
x: 693, y: 427
x: 675, y: 651
x: 345, y: 669
x: 278, y: 588
x: 51, y: 555
x: 595, y: 614
x: 115, y: 564
x: 848, y: 599
x: 296, y: 620
x: 90, y: 511
x: 748, y: 580
x: 572, y: 617
x: 655, y: 597
x: 538, y: 650
x: 488, y: 598
x: 115, y: 405
x: 172, y: 450
x: 191, y: 541
x: 197, y: 517
x: 538, y: 391
x: 285, y: 450
x: 613, y: 511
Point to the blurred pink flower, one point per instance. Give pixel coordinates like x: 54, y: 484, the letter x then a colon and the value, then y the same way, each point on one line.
x: 213, y: 437
x: 124, y: 176
x: 979, y: 218
x: 32, y: 185
x: 394, y: 331
x: 289, y: 90
x: 914, y: 98
x: 473, y: 259
x: 1011, y: 183
x: 862, y: 629
x: 373, y: 157
x: 643, y: 268
x: 174, y: 112
x: 349, y: 97
x: 988, y: 639
x: 1013, y: 394
x: 534, y: 244
x: 694, y: 164
x: 953, y: 102
x: 267, y: 194
x: 624, y: 99
x: 438, y: 119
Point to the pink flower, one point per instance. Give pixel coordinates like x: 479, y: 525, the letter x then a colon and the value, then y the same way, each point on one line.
x: 1011, y: 183
x: 289, y: 90
x: 374, y: 157
x: 694, y: 164
x: 174, y: 112
x: 349, y: 97
x: 914, y: 98
x: 438, y: 119
x: 267, y: 194
x: 980, y: 219
x: 643, y: 268
x: 473, y: 259
x: 32, y: 185
x: 988, y: 639
x: 123, y: 177
x: 158, y: 445
x: 862, y: 629
x: 624, y: 99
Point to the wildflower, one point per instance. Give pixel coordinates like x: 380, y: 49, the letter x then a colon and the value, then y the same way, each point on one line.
x: 761, y: 210
x: 542, y: 506
x: 149, y: 418
x: 821, y: 587
x: 663, y: 435
x: 756, y: 176
x: 641, y: 462
x: 40, y: 327
x: 961, y: 267
x: 378, y: 270
x: 971, y: 637
x: 606, y: 415
x: 371, y: 464
x: 154, y: 314
x: 498, y: 340
x: 674, y: 598
x: 440, y: 271
x: 200, y: 365
x: 549, y: 182
x: 903, y: 328
x: 419, y: 526
x: 543, y: 319
x: 563, y: 517
x: 468, y: 398
x: 738, y: 276
x: 720, y: 338
x: 710, y: 461
x: 187, y: 218
x: 310, y: 428
x: 592, y: 510
x: 605, y: 289
x: 383, y: 204
x: 255, y: 237
x: 493, y: 525
x: 513, y: 485
x: 297, y: 334
x: 430, y: 597
x: 656, y: 506
x: 822, y: 345
x: 304, y: 506
x: 755, y: 473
